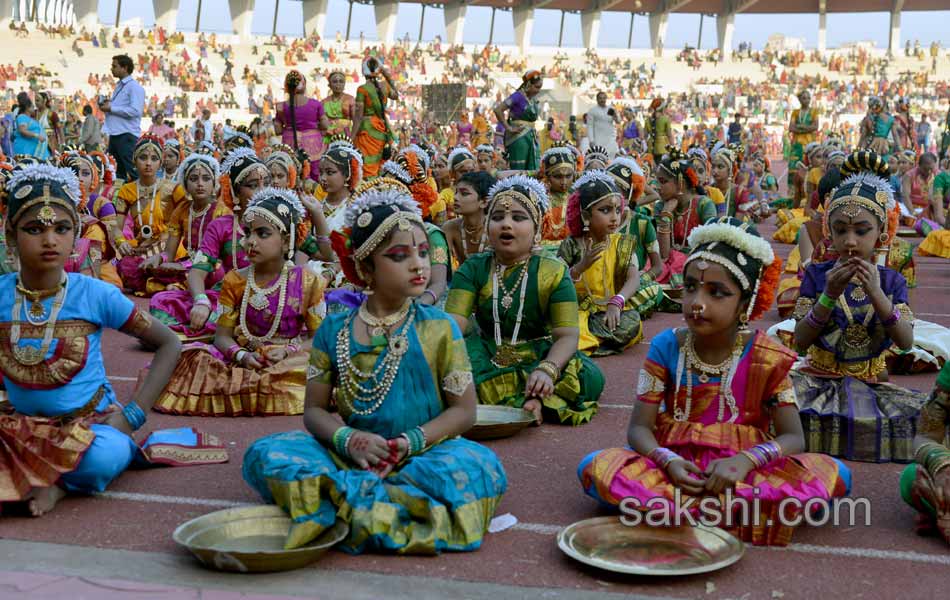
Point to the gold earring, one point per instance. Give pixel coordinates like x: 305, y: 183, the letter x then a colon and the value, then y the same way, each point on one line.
x: 743, y: 323
x: 884, y: 237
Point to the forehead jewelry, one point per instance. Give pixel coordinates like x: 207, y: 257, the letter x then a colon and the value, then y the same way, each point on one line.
x: 46, y: 215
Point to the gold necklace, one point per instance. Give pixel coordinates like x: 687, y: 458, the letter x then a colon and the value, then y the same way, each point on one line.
x: 856, y: 334
x: 507, y: 295
x: 29, y: 355
x: 201, y: 224
x: 36, y: 300
x: 481, y: 241
x: 379, y: 326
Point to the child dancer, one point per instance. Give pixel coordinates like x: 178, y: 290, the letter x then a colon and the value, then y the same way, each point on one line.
x: 722, y: 388
x: 925, y: 485
x: 144, y: 206
x: 604, y: 266
x: 466, y: 234
x: 525, y: 354
x: 269, y: 310
x: 63, y: 429
x: 558, y: 171
x: 94, y: 250
x: 849, y: 312
x: 403, y: 386
x: 192, y: 313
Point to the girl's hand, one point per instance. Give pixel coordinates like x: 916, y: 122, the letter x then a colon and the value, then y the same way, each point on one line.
x: 125, y: 249
x: 275, y: 354
x: 539, y: 385
x: 724, y: 473
x: 838, y: 278
x: 613, y: 317
x: 942, y: 502
x: 534, y: 407
x: 868, y: 275
x: 151, y: 262
x: 118, y: 421
x: 310, y: 203
x: 252, y: 361
x: 199, y: 316
x: 591, y: 253
x: 367, y: 449
x: 686, y: 476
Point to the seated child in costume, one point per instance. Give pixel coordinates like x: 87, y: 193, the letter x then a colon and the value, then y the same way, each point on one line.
x: 722, y: 388
x: 269, y: 310
x: 395, y: 470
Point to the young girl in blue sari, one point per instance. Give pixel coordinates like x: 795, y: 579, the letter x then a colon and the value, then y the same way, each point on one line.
x: 394, y: 469
x: 62, y: 428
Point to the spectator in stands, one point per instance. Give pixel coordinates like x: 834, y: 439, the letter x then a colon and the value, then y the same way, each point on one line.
x: 602, y: 125
x: 204, y: 123
x: 90, y: 137
x: 735, y: 131
x: 160, y: 128
x: 124, y: 116
x: 29, y: 137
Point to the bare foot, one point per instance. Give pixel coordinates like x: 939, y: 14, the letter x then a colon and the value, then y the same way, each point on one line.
x: 533, y: 406
x: 43, y: 500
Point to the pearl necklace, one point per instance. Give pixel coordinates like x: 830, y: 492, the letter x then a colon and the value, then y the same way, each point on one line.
x: 507, y: 298
x: 258, y: 293
x: 234, y: 242
x: 375, y: 385
x: 726, y: 370
x: 505, y: 354
x: 201, y: 226
x: 29, y: 355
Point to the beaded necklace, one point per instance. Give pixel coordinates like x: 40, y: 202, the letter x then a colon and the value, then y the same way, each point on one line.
x: 481, y: 240
x: 506, y: 355
x: 375, y: 384
x: 726, y: 371
x: 251, y: 289
x: 684, y: 220
x: 146, y: 231
x: 201, y: 226
x: 29, y: 355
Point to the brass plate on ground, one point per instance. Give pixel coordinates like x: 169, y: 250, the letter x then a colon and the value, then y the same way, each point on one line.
x: 606, y: 543
x: 494, y: 422
x: 907, y: 232
x: 251, y: 540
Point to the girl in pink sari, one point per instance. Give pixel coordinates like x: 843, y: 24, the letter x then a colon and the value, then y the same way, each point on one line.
x: 723, y: 390
x: 300, y: 120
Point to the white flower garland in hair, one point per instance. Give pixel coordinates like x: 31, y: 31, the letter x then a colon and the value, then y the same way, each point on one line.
x: 234, y: 156
x: 629, y: 163
x: 697, y: 152
x: 394, y: 169
x: 457, y: 151
x: 205, y: 145
x: 189, y: 163
x: 593, y: 175
x: 726, y: 153
x: 242, y: 136
x: 34, y: 173
x: 340, y: 144
x: 879, y: 184
x: 287, y: 196
x: 535, y: 187
x: 282, y: 158
x: 484, y: 148
x: 379, y: 197
x: 731, y: 235
x: 568, y: 150
x: 421, y: 154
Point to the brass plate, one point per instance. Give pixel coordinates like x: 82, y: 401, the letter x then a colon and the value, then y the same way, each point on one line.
x: 907, y: 232
x: 606, y: 543
x: 494, y: 422
x: 251, y: 540
x: 673, y: 293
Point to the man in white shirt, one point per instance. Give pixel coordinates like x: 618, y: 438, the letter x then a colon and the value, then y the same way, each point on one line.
x: 124, y: 116
x: 602, y: 125
x: 206, y: 125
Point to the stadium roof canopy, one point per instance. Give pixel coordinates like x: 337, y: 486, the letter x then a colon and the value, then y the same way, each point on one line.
x: 710, y: 6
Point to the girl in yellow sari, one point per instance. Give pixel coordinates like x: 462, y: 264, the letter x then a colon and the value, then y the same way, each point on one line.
x: 604, y: 266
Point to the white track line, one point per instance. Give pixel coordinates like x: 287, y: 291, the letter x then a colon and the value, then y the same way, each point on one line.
x: 621, y: 406
x: 546, y: 529
x: 931, y: 314
x: 121, y: 378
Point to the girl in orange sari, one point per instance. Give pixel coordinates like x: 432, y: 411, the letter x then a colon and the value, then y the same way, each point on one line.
x: 371, y: 133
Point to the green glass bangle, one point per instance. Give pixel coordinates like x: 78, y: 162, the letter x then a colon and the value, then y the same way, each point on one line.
x: 341, y: 438
x: 826, y: 301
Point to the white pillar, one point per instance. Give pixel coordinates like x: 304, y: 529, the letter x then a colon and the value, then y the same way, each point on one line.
x: 523, y: 19
x: 6, y: 14
x: 590, y: 27
x: 386, y: 12
x: 894, y: 41
x: 658, y: 23
x: 725, y: 27
x: 242, y: 14
x: 166, y: 14
x: 314, y: 17
x: 454, y: 14
x: 86, y: 13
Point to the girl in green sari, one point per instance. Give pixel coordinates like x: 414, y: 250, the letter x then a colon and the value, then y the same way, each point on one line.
x: 521, y: 139
x: 525, y: 354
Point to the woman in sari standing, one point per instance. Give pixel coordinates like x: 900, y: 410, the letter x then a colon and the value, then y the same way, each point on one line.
x: 521, y: 139
x: 371, y: 132
x: 338, y: 106
x: 300, y: 120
